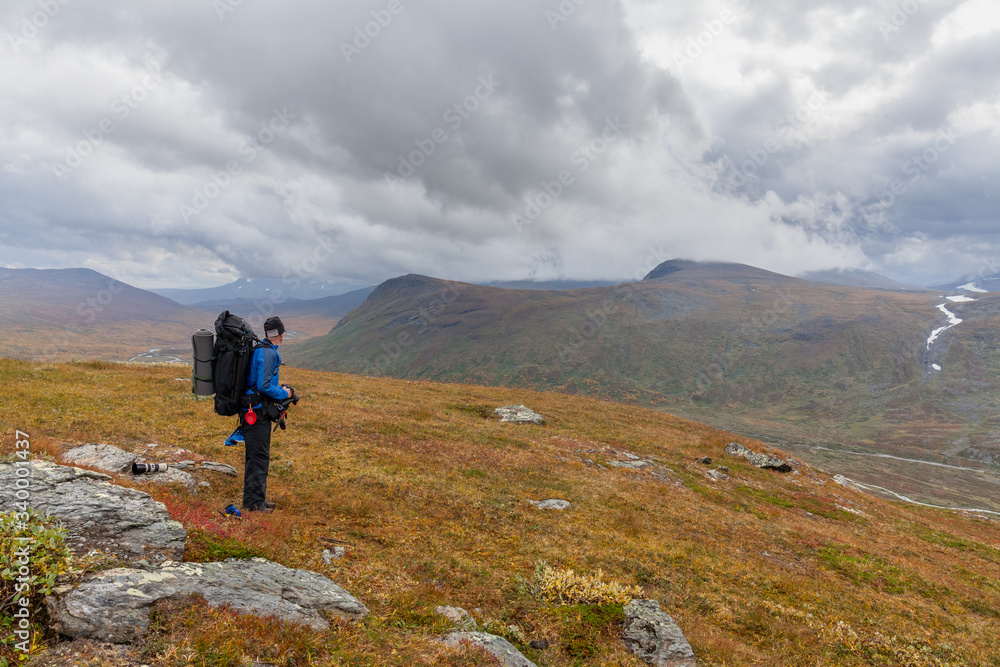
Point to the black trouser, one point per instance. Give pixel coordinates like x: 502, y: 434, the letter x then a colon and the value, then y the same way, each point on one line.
x: 257, y: 440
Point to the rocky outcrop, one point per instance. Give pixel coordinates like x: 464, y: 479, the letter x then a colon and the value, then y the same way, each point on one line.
x: 117, y: 461
x: 498, y: 647
x: 519, y: 414
x: 114, y: 605
x: 103, y: 457
x: 214, y: 466
x: 652, y: 635
x: 631, y: 465
x: 97, y: 514
x: 759, y: 460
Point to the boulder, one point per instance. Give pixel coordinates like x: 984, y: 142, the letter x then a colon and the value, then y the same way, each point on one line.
x: 458, y: 616
x: 652, y: 635
x: 759, y: 460
x: 103, y: 457
x: 169, y: 476
x: 519, y: 414
x: 114, y: 605
x: 214, y: 466
x: 551, y: 504
x: 111, y: 459
x: 97, y: 514
x: 498, y: 647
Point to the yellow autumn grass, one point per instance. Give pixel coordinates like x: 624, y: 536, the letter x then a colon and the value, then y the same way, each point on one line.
x: 429, y: 495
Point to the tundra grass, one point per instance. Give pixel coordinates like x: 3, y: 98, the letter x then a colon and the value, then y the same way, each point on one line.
x: 429, y: 494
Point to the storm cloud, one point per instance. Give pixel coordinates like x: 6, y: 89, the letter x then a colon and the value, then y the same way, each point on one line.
x: 191, y: 142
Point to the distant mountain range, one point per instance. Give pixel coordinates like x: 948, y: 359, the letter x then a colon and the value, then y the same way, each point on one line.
x: 61, y: 314
x: 728, y: 344
x: 248, y: 290
x: 974, y: 284
x: 859, y: 278
x: 82, y: 314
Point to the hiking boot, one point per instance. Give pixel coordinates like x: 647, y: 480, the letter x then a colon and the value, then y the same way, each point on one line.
x: 263, y: 507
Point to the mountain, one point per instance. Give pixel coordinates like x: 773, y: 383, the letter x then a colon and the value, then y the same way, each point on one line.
x: 859, y: 278
x: 973, y: 284
x: 247, y: 290
x: 80, y: 313
x: 738, y: 347
x: 303, y: 319
x: 77, y: 297
x: 555, y: 285
x: 429, y: 497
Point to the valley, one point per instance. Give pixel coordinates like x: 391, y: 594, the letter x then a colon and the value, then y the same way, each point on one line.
x: 894, y: 370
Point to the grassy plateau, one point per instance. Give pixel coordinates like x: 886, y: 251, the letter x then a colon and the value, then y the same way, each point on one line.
x: 429, y: 494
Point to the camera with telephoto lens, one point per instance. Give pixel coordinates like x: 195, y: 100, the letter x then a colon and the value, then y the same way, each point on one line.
x: 142, y: 468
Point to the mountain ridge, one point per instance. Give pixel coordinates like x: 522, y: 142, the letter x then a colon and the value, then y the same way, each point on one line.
x: 737, y: 347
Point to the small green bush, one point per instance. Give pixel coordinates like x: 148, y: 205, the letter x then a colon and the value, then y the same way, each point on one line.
x: 33, y: 554
x: 48, y: 557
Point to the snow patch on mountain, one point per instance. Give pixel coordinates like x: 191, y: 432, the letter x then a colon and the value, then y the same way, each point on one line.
x: 952, y: 321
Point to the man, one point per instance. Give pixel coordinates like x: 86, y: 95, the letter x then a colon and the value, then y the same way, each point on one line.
x: 264, y: 391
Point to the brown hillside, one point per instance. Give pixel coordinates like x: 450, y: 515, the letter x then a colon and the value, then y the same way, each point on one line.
x: 431, y: 494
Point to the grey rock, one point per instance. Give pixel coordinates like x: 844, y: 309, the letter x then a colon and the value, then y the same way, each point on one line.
x: 519, y: 414
x: 114, y: 605
x: 336, y: 554
x: 633, y: 465
x: 652, y: 635
x: 102, y: 457
x: 539, y: 644
x: 113, y: 460
x: 97, y: 514
x: 717, y: 475
x: 759, y: 460
x: 458, y: 616
x: 498, y: 647
x: 551, y: 504
x: 214, y: 466
x: 169, y: 476
x: 705, y: 460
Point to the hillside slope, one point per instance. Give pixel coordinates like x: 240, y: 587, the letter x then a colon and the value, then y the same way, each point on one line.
x: 430, y: 495
x: 67, y: 314
x: 691, y: 337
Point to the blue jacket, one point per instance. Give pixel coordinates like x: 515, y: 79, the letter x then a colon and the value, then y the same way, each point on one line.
x: 263, y: 374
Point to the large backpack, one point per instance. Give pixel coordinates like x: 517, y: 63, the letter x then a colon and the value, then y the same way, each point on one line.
x: 235, y: 342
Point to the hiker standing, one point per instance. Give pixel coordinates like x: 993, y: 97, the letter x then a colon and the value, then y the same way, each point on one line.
x: 264, y: 391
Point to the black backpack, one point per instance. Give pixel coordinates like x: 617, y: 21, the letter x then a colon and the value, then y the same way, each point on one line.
x: 235, y: 342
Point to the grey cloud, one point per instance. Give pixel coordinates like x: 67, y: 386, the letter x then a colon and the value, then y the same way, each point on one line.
x: 356, y: 116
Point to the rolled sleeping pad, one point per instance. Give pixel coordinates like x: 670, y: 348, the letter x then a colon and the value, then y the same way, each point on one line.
x: 203, y: 346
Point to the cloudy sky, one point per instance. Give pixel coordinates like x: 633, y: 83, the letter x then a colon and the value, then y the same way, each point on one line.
x: 190, y: 142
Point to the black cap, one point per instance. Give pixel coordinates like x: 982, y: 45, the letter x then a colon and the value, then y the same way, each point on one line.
x: 273, y: 327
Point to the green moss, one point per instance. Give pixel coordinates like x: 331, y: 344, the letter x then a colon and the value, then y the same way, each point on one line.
x: 202, y: 547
